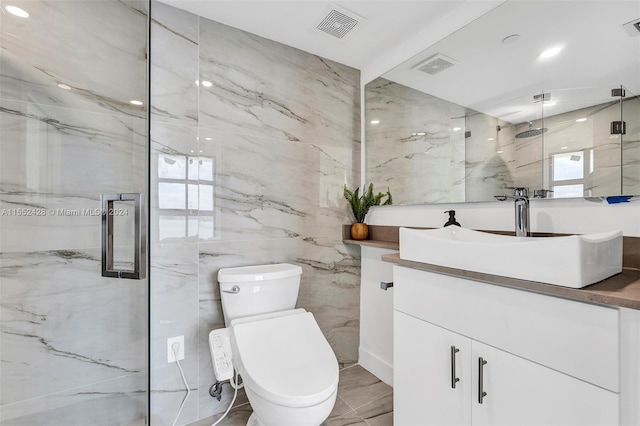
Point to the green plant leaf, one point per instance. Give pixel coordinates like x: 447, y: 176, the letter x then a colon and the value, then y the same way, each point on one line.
x: 360, y: 205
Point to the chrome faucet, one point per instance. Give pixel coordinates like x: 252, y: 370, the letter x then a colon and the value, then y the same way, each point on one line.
x: 521, y: 198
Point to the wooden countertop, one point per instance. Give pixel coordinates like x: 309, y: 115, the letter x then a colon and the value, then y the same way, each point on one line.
x: 621, y: 290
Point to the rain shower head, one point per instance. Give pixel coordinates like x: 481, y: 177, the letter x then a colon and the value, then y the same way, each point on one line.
x: 531, y: 132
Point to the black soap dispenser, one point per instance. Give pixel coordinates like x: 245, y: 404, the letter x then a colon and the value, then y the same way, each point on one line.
x: 452, y: 218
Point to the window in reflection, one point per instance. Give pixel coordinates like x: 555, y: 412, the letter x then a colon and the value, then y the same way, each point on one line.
x: 185, y: 196
x: 568, y: 170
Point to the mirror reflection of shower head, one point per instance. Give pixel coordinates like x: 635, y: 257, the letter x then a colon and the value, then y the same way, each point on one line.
x: 531, y: 132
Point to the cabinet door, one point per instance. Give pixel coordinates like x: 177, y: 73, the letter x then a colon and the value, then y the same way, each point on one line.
x: 376, y: 314
x: 520, y: 392
x: 423, y: 392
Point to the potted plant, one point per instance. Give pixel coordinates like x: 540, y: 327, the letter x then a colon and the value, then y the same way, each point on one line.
x: 360, y: 205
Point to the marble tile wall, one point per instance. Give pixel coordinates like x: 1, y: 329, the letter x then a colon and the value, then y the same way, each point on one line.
x: 73, y: 343
x: 490, y: 157
x: 274, y: 135
x: 410, y: 151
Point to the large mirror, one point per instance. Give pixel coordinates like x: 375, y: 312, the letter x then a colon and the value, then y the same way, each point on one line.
x: 540, y: 94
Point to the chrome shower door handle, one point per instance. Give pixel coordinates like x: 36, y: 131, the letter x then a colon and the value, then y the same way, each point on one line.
x: 454, y: 379
x: 140, y: 236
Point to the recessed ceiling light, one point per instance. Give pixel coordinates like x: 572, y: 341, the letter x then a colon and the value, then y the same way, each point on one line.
x: 499, y: 152
x: 490, y: 139
x: 550, y: 52
x: 64, y: 86
x: 421, y: 133
x: 580, y: 120
x: 455, y: 129
x: 206, y: 83
x: 564, y: 147
x: 134, y: 102
x: 375, y: 121
x: 209, y: 139
x: 510, y: 39
x: 21, y: 13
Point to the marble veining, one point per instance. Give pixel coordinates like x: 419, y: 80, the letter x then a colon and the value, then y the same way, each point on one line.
x: 174, y: 65
x: 48, y: 347
x: 33, y: 62
x: 246, y: 98
x: 276, y: 134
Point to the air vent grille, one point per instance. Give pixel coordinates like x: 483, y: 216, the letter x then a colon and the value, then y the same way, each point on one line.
x: 435, y: 64
x: 633, y: 27
x: 337, y: 24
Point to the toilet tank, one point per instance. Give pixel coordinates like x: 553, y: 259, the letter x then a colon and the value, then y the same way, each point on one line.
x: 259, y: 289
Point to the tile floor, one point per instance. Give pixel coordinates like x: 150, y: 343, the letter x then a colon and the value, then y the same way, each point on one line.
x: 363, y: 400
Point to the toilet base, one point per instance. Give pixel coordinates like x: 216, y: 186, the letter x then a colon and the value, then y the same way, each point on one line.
x: 253, y: 420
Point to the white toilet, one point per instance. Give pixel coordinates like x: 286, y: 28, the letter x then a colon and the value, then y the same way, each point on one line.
x: 289, y: 371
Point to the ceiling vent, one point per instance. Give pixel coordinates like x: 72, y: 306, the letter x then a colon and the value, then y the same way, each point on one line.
x: 435, y: 64
x: 339, y: 22
x: 633, y: 27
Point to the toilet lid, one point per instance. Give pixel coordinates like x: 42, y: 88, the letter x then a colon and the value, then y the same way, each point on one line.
x: 286, y: 360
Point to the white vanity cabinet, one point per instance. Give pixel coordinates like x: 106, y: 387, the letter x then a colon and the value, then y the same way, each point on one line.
x: 376, y: 314
x: 549, y: 361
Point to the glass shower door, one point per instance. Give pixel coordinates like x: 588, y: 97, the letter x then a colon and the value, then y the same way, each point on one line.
x: 73, y: 126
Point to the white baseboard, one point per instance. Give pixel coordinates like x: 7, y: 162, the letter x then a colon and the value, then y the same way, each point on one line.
x: 375, y: 366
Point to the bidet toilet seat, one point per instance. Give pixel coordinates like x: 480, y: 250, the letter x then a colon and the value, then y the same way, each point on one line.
x: 286, y: 359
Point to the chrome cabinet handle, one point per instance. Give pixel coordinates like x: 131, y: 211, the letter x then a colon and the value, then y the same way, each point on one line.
x: 385, y: 286
x: 140, y: 236
x: 454, y: 379
x: 481, y: 392
x: 234, y: 290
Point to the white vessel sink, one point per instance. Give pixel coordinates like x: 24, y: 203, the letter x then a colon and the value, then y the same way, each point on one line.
x: 574, y: 261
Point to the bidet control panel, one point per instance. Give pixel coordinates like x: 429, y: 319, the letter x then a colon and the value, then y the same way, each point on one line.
x: 221, y: 355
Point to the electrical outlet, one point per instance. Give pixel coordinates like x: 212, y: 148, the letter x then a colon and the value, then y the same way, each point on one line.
x: 171, y: 357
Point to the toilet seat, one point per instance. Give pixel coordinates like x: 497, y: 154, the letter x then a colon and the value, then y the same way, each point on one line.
x: 286, y: 359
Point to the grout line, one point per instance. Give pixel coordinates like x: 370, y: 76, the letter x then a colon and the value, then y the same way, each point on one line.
x: 347, y: 404
x: 373, y: 400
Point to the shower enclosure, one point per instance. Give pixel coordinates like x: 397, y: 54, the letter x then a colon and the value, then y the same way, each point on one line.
x: 73, y: 188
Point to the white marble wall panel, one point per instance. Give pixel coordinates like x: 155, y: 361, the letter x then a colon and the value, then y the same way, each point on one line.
x: 64, y: 326
x: 269, y: 188
x: 174, y: 64
x: 119, y: 401
x: 174, y: 273
x: 410, y: 149
x: 58, y: 161
x: 266, y: 89
x: 97, y: 48
x: 490, y: 158
x: 457, y: 140
x: 529, y: 159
